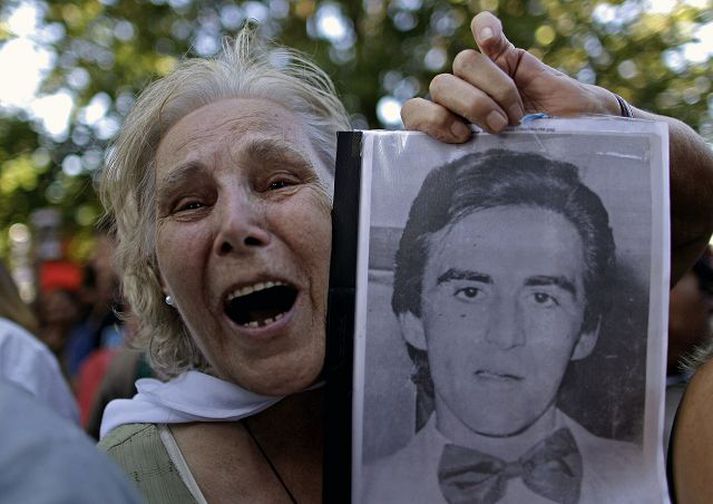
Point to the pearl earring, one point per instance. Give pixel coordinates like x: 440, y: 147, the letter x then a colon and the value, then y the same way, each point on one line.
x: 169, y: 300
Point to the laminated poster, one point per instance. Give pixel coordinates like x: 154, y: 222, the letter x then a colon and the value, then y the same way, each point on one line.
x: 498, y: 314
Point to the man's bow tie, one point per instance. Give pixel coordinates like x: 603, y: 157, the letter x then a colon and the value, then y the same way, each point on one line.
x: 552, y: 468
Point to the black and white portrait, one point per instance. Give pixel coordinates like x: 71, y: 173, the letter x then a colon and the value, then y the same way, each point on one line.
x: 510, y: 331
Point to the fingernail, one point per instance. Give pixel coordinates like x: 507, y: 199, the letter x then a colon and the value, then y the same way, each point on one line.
x: 486, y: 33
x: 496, y: 121
x: 516, y: 112
x: 460, y: 130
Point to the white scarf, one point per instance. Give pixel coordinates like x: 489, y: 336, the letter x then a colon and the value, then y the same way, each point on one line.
x: 189, y: 397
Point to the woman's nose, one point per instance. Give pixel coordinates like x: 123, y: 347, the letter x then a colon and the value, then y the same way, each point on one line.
x: 241, y: 225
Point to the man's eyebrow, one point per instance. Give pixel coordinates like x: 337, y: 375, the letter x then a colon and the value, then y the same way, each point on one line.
x: 557, y: 280
x: 458, y: 274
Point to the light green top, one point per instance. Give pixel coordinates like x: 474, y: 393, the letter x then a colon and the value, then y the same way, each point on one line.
x: 138, y: 449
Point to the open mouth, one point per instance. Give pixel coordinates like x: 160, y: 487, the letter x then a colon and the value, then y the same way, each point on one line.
x: 260, y: 304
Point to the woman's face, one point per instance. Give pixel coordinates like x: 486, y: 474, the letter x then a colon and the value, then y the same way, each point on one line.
x: 243, y: 237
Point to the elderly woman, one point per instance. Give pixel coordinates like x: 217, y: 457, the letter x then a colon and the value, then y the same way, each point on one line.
x: 220, y: 187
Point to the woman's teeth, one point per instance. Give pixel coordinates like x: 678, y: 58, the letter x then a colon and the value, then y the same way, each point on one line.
x: 249, y: 289
x: 263, y: 323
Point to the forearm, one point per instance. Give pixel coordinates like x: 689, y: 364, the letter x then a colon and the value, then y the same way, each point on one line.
x: 691, y: 187
x: 691, y: 180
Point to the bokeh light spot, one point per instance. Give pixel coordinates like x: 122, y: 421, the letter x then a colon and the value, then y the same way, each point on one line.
x: 435, y: 59
x: 388, y: 110
x: 545, y: 35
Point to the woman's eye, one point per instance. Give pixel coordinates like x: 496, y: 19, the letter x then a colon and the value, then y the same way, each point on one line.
x: 468, y: 293
x: 190, y: 205
x: 277, y: 184
x: 280, y: 183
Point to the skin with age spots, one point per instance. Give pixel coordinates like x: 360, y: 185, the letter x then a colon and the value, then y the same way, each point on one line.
x: 240, y: 182
x: 501, y: 319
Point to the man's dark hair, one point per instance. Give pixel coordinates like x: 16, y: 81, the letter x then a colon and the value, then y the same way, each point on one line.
x: 499, y: 178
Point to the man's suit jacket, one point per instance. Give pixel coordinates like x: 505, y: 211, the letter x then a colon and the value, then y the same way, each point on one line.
x: 613, y: 472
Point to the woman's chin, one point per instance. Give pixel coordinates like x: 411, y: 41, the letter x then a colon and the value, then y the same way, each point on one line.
x: 286, y: 380
x: 285, y: 387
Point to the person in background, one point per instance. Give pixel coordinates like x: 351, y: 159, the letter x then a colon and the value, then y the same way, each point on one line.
x: 24, y: 359
x: 690, y: 331
x: 126, y: 365
x: 12, y: 307
x: 690, y: 448
x: 98, y: 327
x: 90, y: 377
x: 98, y: 335
x: 58, y: 310
x: 45, y: 459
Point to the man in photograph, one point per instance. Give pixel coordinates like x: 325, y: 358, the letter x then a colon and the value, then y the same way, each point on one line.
x: 502, y: 279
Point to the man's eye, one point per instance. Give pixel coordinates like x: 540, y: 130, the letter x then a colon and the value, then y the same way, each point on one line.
x: 544, y: 299
x: 468, y: 293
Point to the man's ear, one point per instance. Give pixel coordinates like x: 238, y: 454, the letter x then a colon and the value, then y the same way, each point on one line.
x: 587, y: 341
x: 412, y: 330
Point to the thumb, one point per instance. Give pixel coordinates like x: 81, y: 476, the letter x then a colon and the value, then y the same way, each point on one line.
x: 492, y: 42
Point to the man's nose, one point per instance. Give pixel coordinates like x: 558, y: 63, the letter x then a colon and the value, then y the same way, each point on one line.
x: 241, y: 224
x: 505, y: 328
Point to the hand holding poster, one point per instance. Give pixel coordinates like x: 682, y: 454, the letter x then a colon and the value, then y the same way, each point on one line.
x: 510, y: 315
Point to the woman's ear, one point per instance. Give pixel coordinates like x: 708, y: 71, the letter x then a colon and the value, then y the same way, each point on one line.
x: 412, y: 330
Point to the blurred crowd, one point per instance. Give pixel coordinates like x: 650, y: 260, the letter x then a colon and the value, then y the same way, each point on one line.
x: 82, y: 322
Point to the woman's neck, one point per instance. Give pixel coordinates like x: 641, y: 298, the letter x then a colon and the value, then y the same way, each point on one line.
x: 295, y: 422
x: 227, y: 464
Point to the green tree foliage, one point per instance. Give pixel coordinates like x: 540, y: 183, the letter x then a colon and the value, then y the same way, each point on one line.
x: 377, y: 51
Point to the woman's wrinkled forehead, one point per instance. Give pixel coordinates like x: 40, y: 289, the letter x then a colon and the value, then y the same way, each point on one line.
x: 258, y: 128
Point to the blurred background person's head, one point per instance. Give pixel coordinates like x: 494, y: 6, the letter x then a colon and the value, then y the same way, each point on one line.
x: 690, y: 323
x: 12, y: 307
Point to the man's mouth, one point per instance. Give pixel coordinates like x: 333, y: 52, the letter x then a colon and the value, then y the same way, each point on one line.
x: 260, y: 304
x: 494, y: 376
